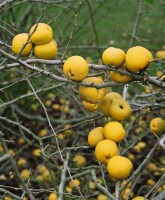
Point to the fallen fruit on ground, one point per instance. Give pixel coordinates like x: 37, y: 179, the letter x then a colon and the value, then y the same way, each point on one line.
x: 21, y: 162
x: 127, y: 192
x: 46, y: 176
x: 80, y: 161
x: 36, y: 152
x: 102, y: 197
x: 8, y: 198
x: 52, y: 196
x: 41, y: 168
x: 75, y: 183
x: 25, y: 173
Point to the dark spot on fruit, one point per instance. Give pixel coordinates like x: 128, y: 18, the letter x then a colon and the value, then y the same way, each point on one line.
x: 71, y: 73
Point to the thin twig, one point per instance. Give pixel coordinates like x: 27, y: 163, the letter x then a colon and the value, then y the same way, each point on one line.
x: 117, y: 192
x: 93, y: 26
x: 4, y: 157
x: 73, y: 29
x: 11, y: 194
x: 21, y: 126
x: 126, y: 86
x: 100, y: 187
x: 136, y: 22
x: 63, y: 176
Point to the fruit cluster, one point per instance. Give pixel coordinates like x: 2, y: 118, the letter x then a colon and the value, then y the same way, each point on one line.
x: 111, y: 104
x: 104, y: 140
x: 76, y: 68
x: 40, y: 39
x: 135, y: 60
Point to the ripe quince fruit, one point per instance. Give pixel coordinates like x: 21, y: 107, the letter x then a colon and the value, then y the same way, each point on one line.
x: 160, y: 54
x: 25, y: 173
x: 91, y: 94
x: 106, y: 102
x: 90, y: 106
x: 75, y: 183
x: 102, y: 197
x: 119, y: 109
x: 119, y: 78
x: 138, y: 198
x: 114, y: 131
x: 137, y: 58
x: 46, y: 51
x: 18, y: 42
x: 157, y: 125
x: 119, y: 167
x: 127, y: 192
x: 105, y: 150
x: 80, y: 161
x: 95, y: 136
x: 76, y: 68
x: 52, y: 196
x: 41, y: 34
x: 113, y: 56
